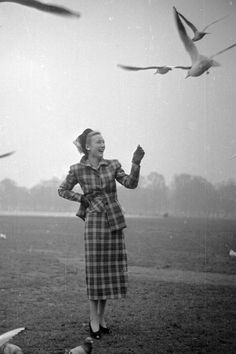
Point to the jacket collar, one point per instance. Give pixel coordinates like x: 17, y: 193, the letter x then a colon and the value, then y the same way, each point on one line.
x: 85, y: 162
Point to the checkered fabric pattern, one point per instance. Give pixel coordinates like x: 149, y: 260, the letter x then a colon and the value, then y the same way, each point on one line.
x: 99, y: 185
x: 105, y: 259
x: 105, y: 252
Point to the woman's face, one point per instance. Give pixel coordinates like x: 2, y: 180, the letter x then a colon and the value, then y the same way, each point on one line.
x: 96, y: 146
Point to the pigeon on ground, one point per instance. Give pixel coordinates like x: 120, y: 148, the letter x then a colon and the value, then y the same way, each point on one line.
x: 9, y: 348
x: 3, y: 236
x: 4, y: 338
x: 159, y: 69
x: 7, y: 154
x: 55, y: 9
x: 85, y: 348
x: 197, y: 33
x: 232, y: 253
x: 200, y: 63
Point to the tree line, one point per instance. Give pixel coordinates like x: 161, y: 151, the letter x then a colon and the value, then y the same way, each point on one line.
x: 187, y: 195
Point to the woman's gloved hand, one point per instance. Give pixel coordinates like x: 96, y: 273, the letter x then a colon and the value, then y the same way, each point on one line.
x: 138, y: 155
x: 84, y: 201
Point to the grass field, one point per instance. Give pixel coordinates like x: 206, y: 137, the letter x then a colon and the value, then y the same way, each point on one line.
x: 181, y: 295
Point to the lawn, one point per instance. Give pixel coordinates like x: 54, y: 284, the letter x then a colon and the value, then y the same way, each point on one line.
x: 181, y: 295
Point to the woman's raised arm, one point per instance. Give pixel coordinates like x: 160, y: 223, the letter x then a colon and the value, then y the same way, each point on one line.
x: 131, y: 180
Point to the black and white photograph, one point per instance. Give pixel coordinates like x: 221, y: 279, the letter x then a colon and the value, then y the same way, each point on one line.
x: 117, y: 177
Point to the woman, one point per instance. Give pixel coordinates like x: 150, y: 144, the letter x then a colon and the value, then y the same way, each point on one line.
x: 105, y: 252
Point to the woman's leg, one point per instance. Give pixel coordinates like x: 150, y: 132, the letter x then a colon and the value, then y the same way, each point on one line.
x: 94, y: 319
x: 101, y: 312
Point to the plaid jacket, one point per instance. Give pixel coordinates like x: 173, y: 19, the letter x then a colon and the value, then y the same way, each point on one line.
x: 99, y: 186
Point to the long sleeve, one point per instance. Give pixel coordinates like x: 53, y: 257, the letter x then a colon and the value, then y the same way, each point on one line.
x: 128, y: 181
x: 65, y: 189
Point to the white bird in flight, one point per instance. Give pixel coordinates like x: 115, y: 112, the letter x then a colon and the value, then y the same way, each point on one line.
x: 158, y: 69
x: 7, y: 154
x: 55, y: 9
x: 4, y: 338
x: 200, y: 63
x: 197, y: 33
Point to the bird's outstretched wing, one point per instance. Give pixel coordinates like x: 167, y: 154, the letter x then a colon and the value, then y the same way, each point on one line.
x: 212, y: 23
x: 55, y: 9
x: 7, y: 154
x: 137, y: 68
x: 182, y: 67
x: 188, y: 43
x: 4, y: 338
x: 223, y: 50
x: 190, y: 24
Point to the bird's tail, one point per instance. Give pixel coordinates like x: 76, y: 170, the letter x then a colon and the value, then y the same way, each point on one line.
x: 4, y: 338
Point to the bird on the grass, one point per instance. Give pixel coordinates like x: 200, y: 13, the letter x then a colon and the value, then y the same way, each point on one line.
x: 197, y: 33
x: 7, y: 154
x: 7, y: 348
x: 200, y: 63
x: 232, y: 253
x: 158, y: 69
x: 54, y: 9
x: 85, y: 348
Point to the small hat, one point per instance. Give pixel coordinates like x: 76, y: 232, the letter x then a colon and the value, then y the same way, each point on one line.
x: 80, y: 141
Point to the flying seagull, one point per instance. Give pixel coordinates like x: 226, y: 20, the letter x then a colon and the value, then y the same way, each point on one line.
x: 4, y: 338
x: 159, y: 69
x: 200, y: 63
x: 55, y: 9
x: 197, y: 33
x: 7, y: 154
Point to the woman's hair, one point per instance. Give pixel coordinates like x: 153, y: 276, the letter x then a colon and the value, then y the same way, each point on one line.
x: 83, y: 139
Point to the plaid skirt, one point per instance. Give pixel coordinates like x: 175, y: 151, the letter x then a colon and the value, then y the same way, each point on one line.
x: 105, y: 259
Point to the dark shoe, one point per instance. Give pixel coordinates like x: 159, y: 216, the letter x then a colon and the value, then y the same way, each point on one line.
x: 104, y: 330
x: 95, y: 335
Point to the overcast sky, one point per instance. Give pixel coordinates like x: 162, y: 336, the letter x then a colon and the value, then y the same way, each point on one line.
x: 59, y: 76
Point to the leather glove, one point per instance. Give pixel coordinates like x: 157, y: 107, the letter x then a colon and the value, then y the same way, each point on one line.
x: 138, y: 155
x: 84, y: 201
